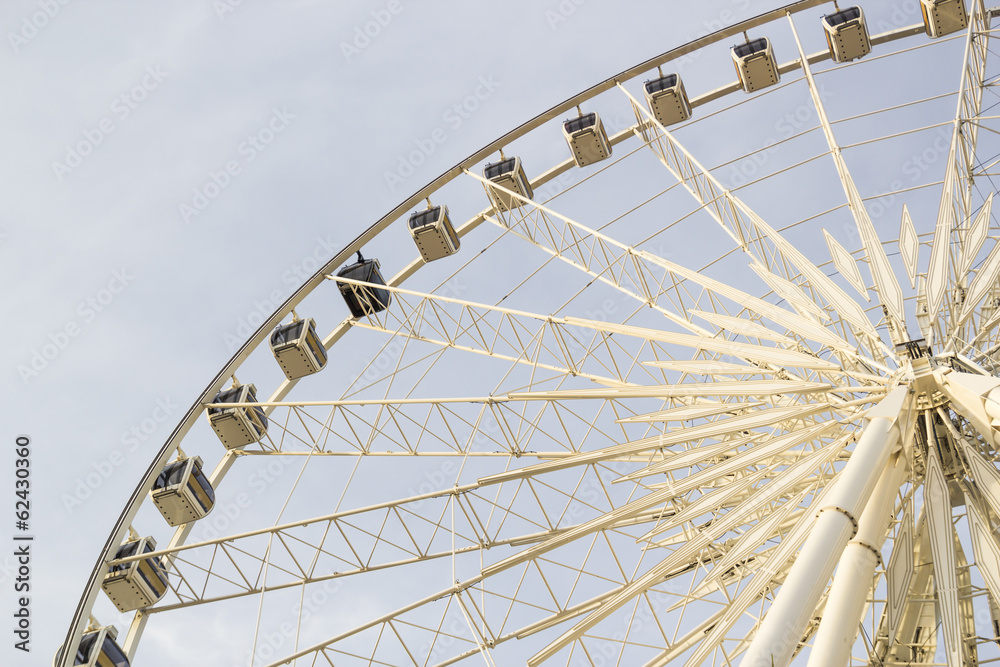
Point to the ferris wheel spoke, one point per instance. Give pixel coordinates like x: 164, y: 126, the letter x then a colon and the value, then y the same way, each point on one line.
x: 731, y: 431
x: 985, y: 337
x: 684, y: 643
x: 898, y: 575
x: 742, y: 223
x: 762, y: 451
x: 650, y: 270
x: 722, y: 525
x: 299, y: 580
x: 975, y: 236
x: 396, y: 426
x: 886, y: 285
x: 648, y: 266
x: 635, y: 273
x: 955, y: 207
x: 984, y: 282
x: 557, y: 233
x: 781, y: 519
x: 470, y: 618
x: 760, y: 354
x: 539, y: 341
x: 233, y: 567
x: 501, y: 332
x: 486, y: 614
x: 731, y: 388
x: 759, y: 451
x: 772, y: 574
x: 413, y: 631
x: 639, y: 507
x: 733, y: 494
x: 457, y: 522
x: 984, y: 544
x: 790, y: 293
x: 491, y: 426
x: 794, y: 323
x: 943, y: 552
x: 798, y: 471
x: 318, y: 549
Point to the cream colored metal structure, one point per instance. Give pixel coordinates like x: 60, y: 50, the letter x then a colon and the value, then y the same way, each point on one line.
x: 658, y: 430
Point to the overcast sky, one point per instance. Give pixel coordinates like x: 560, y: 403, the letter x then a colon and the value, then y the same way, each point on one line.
x: 174, y: 169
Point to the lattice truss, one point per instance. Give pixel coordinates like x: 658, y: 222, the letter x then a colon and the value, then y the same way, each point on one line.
x: 678, y: 485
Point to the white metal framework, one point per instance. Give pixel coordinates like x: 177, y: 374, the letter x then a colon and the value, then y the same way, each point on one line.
x: 713, y: 415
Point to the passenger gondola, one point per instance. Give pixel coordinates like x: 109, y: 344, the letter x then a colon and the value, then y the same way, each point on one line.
x: 667, y: 100
x: 508, y: 174
x: 433, y: 233
x: 755, y: 64
x: 98, y: 648
x: 182, y: 492
x: 298, y: 348
x: 139, y: 583
x: 238, y: 426
x: 364, y: 299
x: 847, y: 35
x: 588, y: 142
x: 943, y: 17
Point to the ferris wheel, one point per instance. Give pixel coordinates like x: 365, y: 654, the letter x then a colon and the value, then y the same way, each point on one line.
x: 614, y: 390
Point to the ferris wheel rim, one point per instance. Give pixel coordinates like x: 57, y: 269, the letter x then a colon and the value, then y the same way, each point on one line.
x: 259, y: 336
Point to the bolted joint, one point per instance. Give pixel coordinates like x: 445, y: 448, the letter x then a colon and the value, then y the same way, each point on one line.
x: 834, y: 508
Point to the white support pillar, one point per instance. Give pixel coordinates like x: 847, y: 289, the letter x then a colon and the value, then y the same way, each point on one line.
x: 846, y: 603
x: 783, y: 625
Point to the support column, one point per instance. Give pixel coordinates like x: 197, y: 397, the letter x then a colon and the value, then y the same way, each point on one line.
x: 782, y: 628
x: 846, y: 603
